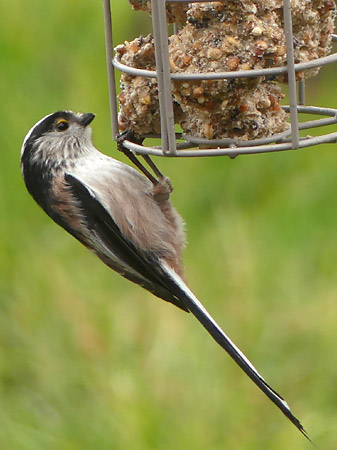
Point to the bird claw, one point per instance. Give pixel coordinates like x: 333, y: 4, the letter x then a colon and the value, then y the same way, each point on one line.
x: 162, y: 190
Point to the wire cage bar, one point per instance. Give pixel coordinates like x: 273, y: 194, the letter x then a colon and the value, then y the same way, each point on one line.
x: 173, y: 143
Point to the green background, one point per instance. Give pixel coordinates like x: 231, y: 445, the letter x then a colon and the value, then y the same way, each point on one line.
x: 90, y: 361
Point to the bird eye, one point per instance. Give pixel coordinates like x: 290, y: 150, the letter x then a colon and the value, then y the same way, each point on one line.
x: 62, y: 125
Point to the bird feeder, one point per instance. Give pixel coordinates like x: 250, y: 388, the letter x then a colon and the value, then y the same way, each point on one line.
x: 213, y: 86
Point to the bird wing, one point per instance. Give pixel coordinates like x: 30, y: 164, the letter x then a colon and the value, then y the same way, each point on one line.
x: 161, y: 278
x: 123, y: 256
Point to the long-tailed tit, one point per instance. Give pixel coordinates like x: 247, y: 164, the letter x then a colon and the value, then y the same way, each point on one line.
x: 116, y: 212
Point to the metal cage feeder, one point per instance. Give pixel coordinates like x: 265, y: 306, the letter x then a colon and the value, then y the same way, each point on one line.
x: 182, y: 145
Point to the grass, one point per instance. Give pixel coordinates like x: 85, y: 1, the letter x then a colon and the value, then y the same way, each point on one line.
x: 89, y: 361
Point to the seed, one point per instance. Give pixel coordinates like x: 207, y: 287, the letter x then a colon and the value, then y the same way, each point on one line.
x: 245, y: 66
x: 173, y: 65
x: 233, y: 62
x: 262, y: 44
x: 244, y: 107
x: 146, y: 100
x: 281, y: 50
x: 214, y: 53
x: 121, y: 98
x: 208, y: 130
x: 263, y: 104
x: 198, y: 91
x: 257, y: 31
x: 232, y: 41
x: 186, y: 60
x: 120, y: 49
x: 133, y: 47
x: 275, y: 107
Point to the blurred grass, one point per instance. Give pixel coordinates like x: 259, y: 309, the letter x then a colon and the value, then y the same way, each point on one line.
x: 89, y: 361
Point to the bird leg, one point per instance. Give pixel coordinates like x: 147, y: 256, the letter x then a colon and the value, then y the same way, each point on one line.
x: 162, y: 187
x: 153, y: 166
x: 128, y: 135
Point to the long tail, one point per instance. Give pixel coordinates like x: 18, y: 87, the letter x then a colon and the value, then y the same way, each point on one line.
x: 207, y: 321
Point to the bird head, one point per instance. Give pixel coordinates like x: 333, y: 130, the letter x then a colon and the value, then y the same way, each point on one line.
x: 61, y: 136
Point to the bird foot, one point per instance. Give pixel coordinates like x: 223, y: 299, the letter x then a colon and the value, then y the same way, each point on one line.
x: 162, y: 190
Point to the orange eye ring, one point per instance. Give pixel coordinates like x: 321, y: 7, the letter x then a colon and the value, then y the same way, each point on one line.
x: 62, y: 125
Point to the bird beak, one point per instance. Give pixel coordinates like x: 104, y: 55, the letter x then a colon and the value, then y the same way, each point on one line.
x: 86, y: 119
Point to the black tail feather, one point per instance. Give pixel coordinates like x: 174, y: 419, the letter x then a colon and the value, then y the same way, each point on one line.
x: 198, y: 310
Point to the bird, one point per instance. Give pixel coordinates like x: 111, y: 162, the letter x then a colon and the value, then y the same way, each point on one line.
x: 120, y: 215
